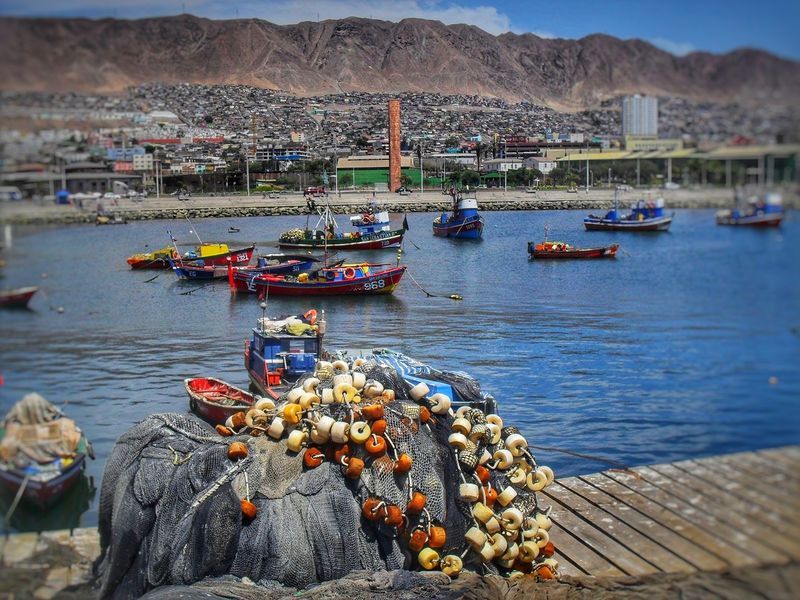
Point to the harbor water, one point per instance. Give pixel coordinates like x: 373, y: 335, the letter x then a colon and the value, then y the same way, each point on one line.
x: 686, y: 345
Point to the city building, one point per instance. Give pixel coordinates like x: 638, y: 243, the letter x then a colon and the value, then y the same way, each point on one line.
x: 544, y: 165
x: 143, y: 162
x: 639, y: 143
x: 502, y: 164
x: 372, y: 169
x: 640, y: 116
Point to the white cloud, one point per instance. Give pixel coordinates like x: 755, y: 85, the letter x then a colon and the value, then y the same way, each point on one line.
x: 486, y: 17
x: 547, y: 35
x: 676, y: 48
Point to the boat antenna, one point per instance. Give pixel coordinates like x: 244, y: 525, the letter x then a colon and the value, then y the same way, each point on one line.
x: 263, y: 307
x: 546, y: 231
x: 193, y: 229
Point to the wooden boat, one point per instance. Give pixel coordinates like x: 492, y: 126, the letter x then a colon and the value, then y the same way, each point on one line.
x: 644, y: 216
x: 215, y: 400
x: 557, y: 250
x: 463, y: 222
x: 42, y: 483
x: 17, y: 298
x: 203, y: 255
x: 277, y: 264
x: 373, y: 232
x: 233, y: 229
x: 766, y: 211
x: 355, y: 279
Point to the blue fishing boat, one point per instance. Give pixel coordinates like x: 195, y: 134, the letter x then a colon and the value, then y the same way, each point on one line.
x: 645, y: 215
x: 754, y: 211
x: 463, y: 222
x: 274, y: 264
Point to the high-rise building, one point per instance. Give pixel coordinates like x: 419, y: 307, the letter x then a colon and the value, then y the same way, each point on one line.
x: 640, y: 116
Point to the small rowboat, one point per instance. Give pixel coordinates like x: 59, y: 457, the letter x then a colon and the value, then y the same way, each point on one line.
x: 277, y: 264
x: 204, y: 255
x: 214, y: 400
x: 41, y: 490
x: 562, y: 250
x: 17, y: 298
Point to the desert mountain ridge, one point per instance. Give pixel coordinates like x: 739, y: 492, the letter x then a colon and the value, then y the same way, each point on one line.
x: 358, y: 54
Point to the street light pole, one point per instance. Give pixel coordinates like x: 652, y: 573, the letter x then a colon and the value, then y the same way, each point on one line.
x: 247, y: 170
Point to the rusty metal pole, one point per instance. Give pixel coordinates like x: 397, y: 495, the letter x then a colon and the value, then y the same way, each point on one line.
x: 394, y: 145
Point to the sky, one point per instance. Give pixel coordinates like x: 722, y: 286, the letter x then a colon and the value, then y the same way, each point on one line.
x: 677, y: 26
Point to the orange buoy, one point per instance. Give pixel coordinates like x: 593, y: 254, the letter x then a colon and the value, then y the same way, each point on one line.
x: 237, y: 450
x: 373, y: 411
x: 437, y: 536
x: 549, y: 549
x: 340, y: 452
x: 237, y: 420
x: 544, y: 572
x: 371, y: 511
x: 403, y: 464
x: 375, y: 445
x: 424, y: 414
x: 313, y: 457
x: 394, y: 516
x: 417, y: 503
x: 379, y: 427
x: 249, y: 510
x: 491, y: 496
x: 354, y: 467
x: 223, y: 431
x: 417, y: 540
x: 482, y: 473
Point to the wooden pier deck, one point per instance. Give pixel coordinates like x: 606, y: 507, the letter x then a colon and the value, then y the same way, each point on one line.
x: 710, y: 514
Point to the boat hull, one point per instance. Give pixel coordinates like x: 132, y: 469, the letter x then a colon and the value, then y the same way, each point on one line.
x: 764, y: 220
x: 576, y: 253
x: 468, y: 229
x: 203, y: 390
x: 44, y: 493
x: 376, y: 241
x: 17, y: 298
x: 656, y: 224
x: 190, y: 272
x: 382, y: 282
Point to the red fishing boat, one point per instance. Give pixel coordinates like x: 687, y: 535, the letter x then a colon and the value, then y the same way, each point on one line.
x: 205, y: 254
x: 17, y: 298
x: 354, y: 279
x: 214, y: 400
x: 561, y: 250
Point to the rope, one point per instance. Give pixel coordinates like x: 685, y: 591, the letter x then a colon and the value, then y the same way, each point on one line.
x: 17, y: 498
x: 428, y: 294
x: 151, y: 279
x: 609, y: 461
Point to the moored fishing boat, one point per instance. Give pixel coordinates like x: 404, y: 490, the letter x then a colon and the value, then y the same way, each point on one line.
x: 645, y: 215
x: 463, y: 222
x: 277, y: 264
x: 373, y: 232
x: 346, y: 279
x: 42, y: 453
x: 17, y: 298
x: 206, y: 254
x: 755, y: 211
x: 282, y: 350
x: 559, y: 250
x: 215, y: 400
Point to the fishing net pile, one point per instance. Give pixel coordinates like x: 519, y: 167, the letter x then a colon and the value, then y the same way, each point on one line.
x: 352, y: 469
x: 292, y: 236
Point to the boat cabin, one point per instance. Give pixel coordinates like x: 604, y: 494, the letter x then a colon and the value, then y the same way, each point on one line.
x: 371, y: 221
x: 274, y: 357
x: 641, y: 210
x: 205, y: 250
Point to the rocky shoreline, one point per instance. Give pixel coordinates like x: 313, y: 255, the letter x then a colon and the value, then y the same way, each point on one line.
x: 27, y: 213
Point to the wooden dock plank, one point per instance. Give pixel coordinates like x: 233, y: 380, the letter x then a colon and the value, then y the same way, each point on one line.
x: 582, y: 526
x: 747, y: 490
x: 733, y: 527
x: 781, y: 460
x: 765, y: 470
x: 774, y: 531
x: 768, y: 489
x: 683, y: 525
x: 582, y: 556
x: 627, y: 548
x: 668, y: 499
x: 664, y: 536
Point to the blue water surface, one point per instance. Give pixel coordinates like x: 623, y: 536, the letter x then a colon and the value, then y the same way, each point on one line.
x: 664, y: 353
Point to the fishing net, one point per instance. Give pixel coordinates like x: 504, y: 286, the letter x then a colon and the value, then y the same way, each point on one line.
x: 182, y: 501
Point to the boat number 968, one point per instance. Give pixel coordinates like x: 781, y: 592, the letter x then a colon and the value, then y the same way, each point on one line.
x: 374, y: 285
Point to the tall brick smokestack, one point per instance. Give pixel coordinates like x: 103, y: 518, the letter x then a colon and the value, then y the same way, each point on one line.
x: 394, y: 145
